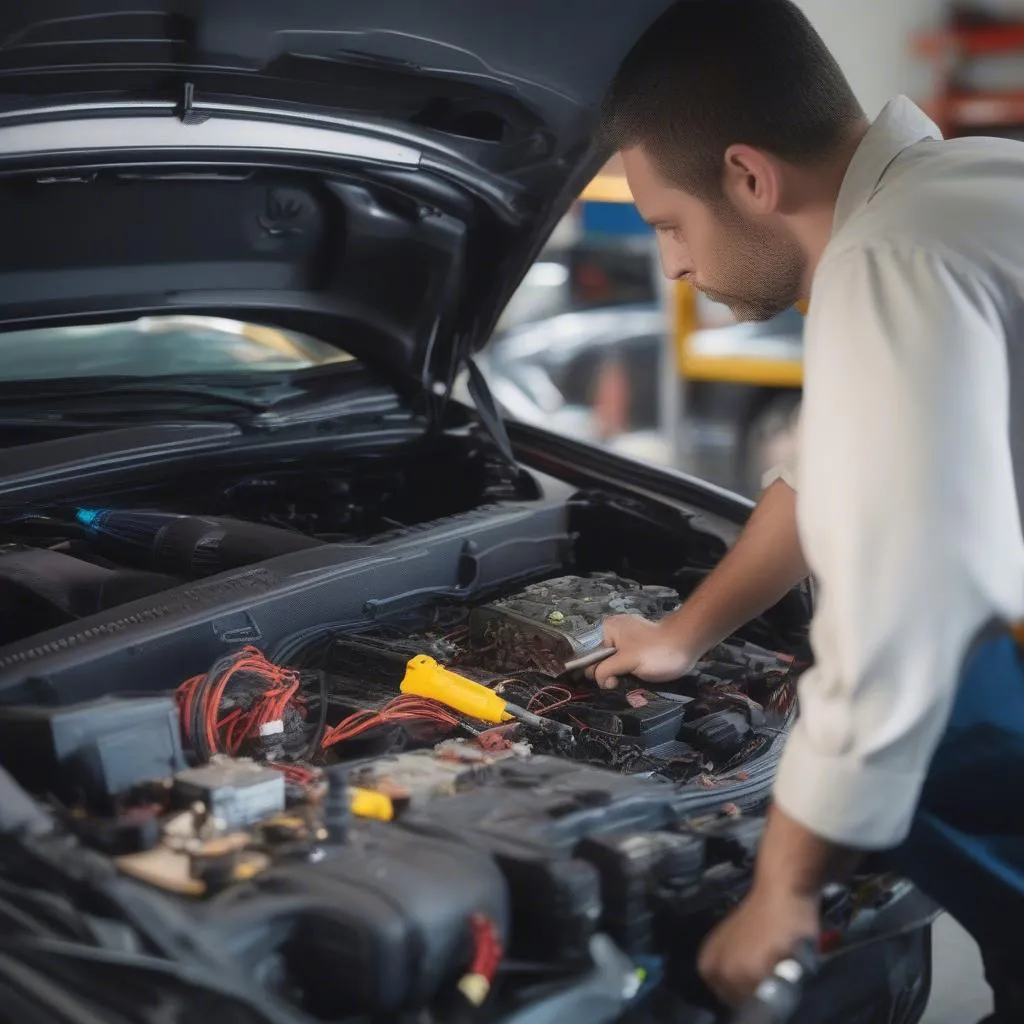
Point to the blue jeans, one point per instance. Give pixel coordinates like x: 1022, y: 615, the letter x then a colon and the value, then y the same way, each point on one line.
x: 966, y: 845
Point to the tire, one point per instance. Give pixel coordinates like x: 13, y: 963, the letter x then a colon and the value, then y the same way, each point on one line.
x: 768, y: 437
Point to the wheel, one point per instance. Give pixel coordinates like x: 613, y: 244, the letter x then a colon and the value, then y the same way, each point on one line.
x: 768, y: 438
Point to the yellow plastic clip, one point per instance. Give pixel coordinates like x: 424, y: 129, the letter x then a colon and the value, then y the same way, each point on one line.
x: 368, y: 803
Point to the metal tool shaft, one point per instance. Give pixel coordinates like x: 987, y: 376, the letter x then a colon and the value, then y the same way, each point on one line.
x: 591, y: 658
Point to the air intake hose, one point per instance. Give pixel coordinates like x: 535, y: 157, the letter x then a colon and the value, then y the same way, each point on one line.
x: 191, y: 546
x: 41, y: 589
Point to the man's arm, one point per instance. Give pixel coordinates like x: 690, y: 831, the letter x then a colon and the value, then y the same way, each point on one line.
x: 763, y: 565
x: 908, y: 518
x: 909, y: 521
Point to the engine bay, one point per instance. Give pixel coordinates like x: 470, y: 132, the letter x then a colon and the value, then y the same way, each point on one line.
x: 376, y: 794
x: 63, y: 562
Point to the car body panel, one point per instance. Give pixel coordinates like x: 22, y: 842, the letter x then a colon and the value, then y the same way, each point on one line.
x: 415, y: 92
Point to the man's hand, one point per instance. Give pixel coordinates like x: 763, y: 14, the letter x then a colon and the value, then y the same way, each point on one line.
x: 654, y: 652
x: 762, y: 566
x: 781, y: 910
x: 744, y: 949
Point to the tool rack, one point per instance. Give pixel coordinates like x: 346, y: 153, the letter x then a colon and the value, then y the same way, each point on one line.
x: 953, y: 51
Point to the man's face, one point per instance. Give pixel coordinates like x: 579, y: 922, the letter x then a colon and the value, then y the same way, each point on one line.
x: 743, y: 261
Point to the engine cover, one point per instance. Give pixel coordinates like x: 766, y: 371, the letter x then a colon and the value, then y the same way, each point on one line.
x: 538, y: 818
x: 548, y: 623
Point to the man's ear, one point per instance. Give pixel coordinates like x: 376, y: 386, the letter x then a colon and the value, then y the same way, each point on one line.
x: 751, y: 179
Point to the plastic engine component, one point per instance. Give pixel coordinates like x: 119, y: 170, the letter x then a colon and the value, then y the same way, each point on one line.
x: 720, y: 734
x: 548, y: 623
x: 235, y: 792
x: 732, y: 840
x: 94, y: 750
x: 646, y: 719
x: 418, y: 777
x: 375, y: 924
x: 632, y: 867
x: 42, y: 589
x: 531, y: 815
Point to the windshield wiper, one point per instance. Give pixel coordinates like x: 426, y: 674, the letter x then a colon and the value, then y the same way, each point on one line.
x: 84, y: 394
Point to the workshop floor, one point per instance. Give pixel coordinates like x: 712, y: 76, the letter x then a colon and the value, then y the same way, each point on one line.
x: 959, y: 992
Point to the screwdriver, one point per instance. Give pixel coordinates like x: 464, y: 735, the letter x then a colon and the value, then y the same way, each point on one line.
x: 425, y: 677
x: 594, y: 657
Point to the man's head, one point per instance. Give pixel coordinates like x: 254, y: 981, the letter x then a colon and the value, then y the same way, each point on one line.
x: 725, y: 113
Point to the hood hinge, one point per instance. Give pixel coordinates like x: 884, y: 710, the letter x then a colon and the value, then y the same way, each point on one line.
x: 446, y: 350
x: 487, y: 410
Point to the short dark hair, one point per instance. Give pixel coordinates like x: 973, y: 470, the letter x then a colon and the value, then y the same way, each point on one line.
x: 712, y: 73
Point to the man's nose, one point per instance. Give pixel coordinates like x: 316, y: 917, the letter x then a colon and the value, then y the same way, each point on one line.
x: 675, y: 264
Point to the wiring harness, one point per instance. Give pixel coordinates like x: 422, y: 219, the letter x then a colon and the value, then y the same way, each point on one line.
x: 403, y: 710
x: 245, y: 705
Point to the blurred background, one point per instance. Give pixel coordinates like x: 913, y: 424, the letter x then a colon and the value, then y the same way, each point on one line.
x: 596, y: 344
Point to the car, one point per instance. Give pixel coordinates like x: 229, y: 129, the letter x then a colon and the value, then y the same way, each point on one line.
x: 286, y: 728
x: 549, y: 371
x: 546, y: 372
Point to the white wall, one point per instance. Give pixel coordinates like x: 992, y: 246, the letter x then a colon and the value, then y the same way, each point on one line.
x: 870, y: 39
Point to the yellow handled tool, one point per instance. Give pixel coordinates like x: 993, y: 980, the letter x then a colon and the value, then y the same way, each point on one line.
x: 424, y: 677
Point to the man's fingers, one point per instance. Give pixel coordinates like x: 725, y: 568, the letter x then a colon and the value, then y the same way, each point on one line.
x: 607, y: 672
x: 607, y: 640
x: 716, y: 979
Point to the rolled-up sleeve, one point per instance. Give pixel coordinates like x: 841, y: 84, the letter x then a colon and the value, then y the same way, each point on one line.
x: 908, y: 518
x: 786, y: 471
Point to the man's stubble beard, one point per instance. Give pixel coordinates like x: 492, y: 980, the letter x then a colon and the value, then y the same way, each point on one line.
x: 766, y: 269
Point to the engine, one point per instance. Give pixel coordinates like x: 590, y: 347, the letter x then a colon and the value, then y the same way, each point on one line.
x: 361, y: 837
x: 326, y: 732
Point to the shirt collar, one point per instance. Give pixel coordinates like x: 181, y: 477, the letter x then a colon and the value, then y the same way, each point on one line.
x: 900, y: 124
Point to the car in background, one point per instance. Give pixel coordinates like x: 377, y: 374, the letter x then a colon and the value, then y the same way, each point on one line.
x: 594, y: 374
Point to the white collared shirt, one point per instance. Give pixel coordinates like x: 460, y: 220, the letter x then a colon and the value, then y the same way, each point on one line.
x: 911, y: 464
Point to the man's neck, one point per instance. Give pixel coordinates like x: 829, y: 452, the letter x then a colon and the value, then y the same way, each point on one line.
x: 817, y: 190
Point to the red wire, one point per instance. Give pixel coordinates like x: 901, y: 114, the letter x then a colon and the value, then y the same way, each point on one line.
x: 298, y: 774
x: 405, y: 708
x: 559, y: 695
x: 230, y: 733
x: 487, y: 951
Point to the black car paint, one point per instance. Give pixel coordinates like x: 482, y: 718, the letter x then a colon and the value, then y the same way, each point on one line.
x: 501, y: 115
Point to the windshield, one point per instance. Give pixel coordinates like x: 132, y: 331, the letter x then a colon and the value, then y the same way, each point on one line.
x: 156, y: 347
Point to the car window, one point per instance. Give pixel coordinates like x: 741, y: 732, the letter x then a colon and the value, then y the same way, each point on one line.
x: 158, y: 346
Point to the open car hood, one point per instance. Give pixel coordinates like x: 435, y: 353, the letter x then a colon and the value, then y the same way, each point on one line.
x: 376, y: 173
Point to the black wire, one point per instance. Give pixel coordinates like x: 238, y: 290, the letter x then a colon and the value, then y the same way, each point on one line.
x: 196, y: 724
x: 321, y: 726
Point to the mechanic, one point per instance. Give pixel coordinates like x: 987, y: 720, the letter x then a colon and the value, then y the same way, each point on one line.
x: 749, y: 155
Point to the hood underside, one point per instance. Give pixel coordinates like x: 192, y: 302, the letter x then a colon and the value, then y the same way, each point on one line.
x: 377, y: 174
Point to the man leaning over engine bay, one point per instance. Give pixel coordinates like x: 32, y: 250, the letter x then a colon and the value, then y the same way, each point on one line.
x: 749, y: 155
